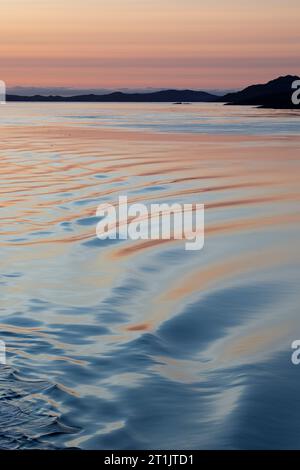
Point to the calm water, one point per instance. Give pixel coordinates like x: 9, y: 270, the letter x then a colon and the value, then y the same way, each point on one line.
x: 122, y: 344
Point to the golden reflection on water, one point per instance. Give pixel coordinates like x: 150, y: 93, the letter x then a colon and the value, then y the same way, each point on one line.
x: 220, y: 171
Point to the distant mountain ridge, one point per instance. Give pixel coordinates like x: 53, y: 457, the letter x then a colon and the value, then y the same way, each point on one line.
x: 276, y: 93
x: 119, y: 96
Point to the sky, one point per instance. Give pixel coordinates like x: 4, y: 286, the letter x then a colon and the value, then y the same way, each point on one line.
x: 148, y: 43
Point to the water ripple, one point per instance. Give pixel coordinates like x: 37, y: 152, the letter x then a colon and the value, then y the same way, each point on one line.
x: 141, y: 344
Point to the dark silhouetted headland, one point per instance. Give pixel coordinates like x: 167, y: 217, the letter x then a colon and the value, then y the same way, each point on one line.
x: 274, y: 94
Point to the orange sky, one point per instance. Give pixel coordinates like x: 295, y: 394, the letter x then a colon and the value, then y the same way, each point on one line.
x: 141, y: 43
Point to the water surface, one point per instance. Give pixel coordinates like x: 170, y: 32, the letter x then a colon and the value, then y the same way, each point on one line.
x: 122, y: 344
